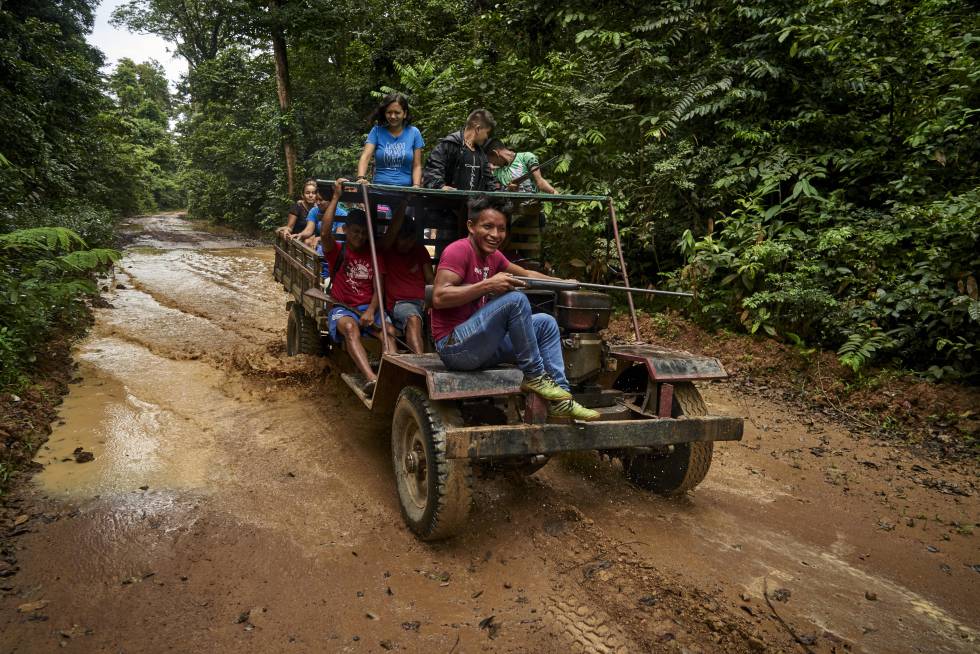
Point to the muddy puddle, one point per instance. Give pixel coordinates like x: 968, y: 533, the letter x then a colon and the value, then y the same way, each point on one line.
x: 238, y: 500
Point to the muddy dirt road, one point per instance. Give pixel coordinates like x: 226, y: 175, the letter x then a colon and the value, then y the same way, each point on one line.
x: 238, y: 500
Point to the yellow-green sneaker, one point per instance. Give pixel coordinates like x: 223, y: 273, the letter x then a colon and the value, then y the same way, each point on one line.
x: 546, y: 387
x: 571, y: 409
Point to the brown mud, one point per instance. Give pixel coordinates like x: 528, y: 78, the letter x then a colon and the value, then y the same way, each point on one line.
x: 941, y: 419
x: 239, y: 500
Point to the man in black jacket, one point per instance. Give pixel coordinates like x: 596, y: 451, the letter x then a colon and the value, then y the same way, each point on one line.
x: 458, y: 161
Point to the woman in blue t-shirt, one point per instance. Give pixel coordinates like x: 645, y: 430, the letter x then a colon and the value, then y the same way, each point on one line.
x: 395, y: 144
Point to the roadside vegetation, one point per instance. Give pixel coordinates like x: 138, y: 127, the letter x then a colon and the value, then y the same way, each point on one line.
x: 78, y: 149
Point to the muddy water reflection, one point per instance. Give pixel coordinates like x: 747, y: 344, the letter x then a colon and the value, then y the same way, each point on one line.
x: 146, y: 409
x: 123, y: 413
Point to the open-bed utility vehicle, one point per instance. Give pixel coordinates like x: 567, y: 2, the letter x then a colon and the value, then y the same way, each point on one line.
x: 448, y: 427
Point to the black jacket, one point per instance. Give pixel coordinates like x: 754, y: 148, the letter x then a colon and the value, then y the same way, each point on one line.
x: 444, y: 161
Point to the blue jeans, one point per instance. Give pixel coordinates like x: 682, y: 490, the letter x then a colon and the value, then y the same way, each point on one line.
x: 505, y: 331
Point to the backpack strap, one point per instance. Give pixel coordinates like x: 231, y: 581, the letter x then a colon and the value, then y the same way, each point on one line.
x: 338, y: 266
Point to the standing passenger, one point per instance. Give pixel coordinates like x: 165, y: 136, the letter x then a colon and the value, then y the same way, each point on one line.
x: 394, y: 143
x: 458, y: 162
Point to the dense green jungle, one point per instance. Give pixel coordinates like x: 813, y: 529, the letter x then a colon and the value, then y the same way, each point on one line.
x: 810, y: 170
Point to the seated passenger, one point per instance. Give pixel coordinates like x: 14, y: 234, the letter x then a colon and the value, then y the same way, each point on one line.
x: 509, y: 165
x: 310, y: 236
x: 408, y: 269
x: 296, y: 219
x: 479, y: 319
x: 352, y: 284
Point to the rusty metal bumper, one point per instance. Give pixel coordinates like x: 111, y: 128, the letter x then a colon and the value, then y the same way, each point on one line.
x: 526, y: 440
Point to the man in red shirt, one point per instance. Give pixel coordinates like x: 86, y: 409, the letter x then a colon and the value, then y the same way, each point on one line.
x: 407, y: 268
x: 472, y: 331
x: 352, y: 283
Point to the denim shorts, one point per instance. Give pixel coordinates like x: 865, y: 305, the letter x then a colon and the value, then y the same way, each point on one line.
x: 405, y: 309
x: 337, y: 313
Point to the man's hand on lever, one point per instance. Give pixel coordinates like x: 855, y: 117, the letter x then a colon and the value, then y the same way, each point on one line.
x: 502, y: 283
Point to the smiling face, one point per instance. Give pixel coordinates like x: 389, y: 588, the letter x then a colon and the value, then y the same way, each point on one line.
x: 395, y: 115
x: 356, y: 235
x: 488, y: 229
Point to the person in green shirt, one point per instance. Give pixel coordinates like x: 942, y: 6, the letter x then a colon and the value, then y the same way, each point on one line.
x: 509, y: 165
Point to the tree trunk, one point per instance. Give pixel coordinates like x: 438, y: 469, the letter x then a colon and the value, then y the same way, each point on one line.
x: 282, y: 87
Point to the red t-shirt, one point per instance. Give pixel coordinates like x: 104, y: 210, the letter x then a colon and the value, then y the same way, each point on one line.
x: 354, y: 284
x: 462, y: 258
x: 405, y: 274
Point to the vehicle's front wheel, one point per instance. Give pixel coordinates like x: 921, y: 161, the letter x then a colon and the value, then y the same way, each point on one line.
x: 678, y: 471
x: 434, y: 492
x: 302, y: 335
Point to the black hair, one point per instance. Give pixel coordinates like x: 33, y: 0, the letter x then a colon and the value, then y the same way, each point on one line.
x: 493, y: 145
x: 356, y: 216
x: 480, y: 203
x: 481, y: 118
x: 378, y: 116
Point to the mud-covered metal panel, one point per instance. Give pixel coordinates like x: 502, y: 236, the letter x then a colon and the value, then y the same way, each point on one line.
x: 524, y: 440
x: 392, y: 380
x: 670, y: 365
x: 443, y: 384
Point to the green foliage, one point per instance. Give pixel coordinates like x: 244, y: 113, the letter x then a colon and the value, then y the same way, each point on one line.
x: 139, y: 125
x: 94, y: 225
x: 860, y: 348
x: 231, y: 140
x: 45, y: 273
x: 50, y: 92
x: 63, y: 138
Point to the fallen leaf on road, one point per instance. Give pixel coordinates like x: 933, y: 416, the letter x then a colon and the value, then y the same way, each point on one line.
x: 21, y: 519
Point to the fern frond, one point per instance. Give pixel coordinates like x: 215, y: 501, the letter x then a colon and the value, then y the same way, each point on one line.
x: 41, y: 238
x: 90, y: 260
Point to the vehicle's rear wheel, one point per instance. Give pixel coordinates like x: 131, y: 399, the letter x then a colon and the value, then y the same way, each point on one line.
x: 435, y: 493
x: 678, y: 471
x: 302, y: 335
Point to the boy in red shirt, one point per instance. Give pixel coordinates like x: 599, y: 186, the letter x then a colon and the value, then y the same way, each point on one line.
x: 352, y: 282
x: 472, y: 331
x: 407, y: 268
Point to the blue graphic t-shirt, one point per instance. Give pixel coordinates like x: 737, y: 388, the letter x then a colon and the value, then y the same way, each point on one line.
x: 393, y: 156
